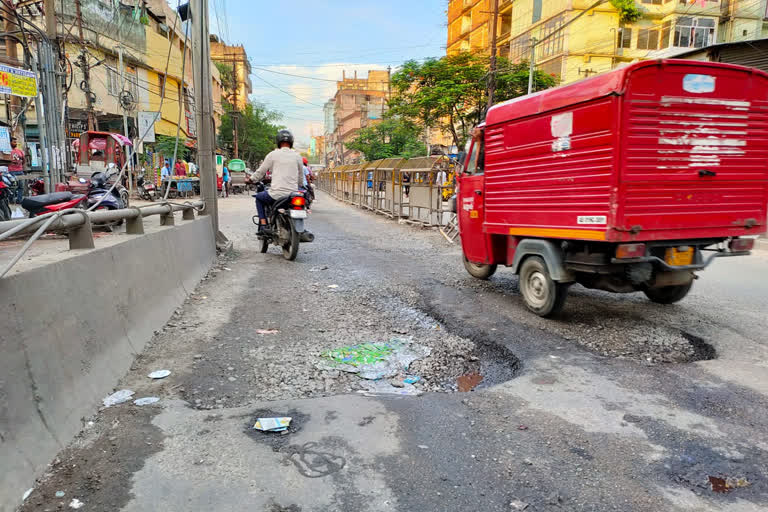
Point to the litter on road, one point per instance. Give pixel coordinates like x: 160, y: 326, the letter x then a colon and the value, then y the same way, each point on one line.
x: 267, y: 331
x: 333, y: 286
x: 272, y: 424
x: 469, y: 382
x: 146, y: 401
x: 518, y: 505
x: 374, y: 361
x: 118, y: 397
x: 60, y: 494
x: 26, y: 494
x: 412, y: 379
x: 159, y: 374
x: 76, y: 503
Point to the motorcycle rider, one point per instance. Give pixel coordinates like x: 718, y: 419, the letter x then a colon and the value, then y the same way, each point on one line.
x: 287, y: 175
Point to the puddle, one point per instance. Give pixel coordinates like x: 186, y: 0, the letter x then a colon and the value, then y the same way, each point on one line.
x: 469, y: 382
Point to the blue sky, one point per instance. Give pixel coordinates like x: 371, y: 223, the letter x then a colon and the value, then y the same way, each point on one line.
x: 319, y: 39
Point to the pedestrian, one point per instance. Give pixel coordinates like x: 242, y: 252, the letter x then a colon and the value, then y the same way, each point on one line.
x: 225, y: 182
x: 179, y: 169
x: 165, y: 172
x: 16, y: 168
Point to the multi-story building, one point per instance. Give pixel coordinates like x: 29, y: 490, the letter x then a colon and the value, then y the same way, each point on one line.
x: 468, y: 25
x: 357, y: 103
x: 237, y: 59
x: 572, y: 41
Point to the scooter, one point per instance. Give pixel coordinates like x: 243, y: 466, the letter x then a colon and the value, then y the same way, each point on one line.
x: 55, y: 202
x: 7, y: 187
x: 147, y: 190
x: 285, y: 224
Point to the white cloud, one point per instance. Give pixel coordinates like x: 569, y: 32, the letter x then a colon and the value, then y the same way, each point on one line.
x: 302, y: 106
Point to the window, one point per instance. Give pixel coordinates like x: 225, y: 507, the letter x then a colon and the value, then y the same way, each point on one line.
x: 647, y: 39
x: 666, y: 28
x: 161, y: 84
x: 536, y: 10
x: 520, y: 48
x: 554, y: 44
x: 694, y: 32
x: 625, y: 38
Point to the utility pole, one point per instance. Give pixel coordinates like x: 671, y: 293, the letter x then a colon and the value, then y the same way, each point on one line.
x: 79, y: 13
x: 201, y: 48
x: 125, y: 118
x: 82, y: 63
x: 492, y: 70
x: 12, y: 59
x: 532, y: 68
x: 235, y: 107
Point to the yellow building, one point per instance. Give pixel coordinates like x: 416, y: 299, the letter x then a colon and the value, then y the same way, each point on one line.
x: 572, y: 41
x: 468, y: 25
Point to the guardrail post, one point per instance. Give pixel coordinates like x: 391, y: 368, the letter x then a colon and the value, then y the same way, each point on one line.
x: 167, y: 219
x: 135, y: 226
x: 81, y: 237
x: 188, y: 214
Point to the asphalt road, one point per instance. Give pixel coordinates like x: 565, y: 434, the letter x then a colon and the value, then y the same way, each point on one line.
x: 620, y: 404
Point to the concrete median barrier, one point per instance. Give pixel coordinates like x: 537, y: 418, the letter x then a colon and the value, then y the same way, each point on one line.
x: 70, y: 329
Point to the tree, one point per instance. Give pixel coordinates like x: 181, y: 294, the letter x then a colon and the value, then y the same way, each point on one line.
x: 450, y: 93
x: 257, y: 128
x: 390, y: 138
x: 164, y: 145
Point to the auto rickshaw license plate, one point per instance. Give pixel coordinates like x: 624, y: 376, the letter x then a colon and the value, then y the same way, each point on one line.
x: 679, y: 258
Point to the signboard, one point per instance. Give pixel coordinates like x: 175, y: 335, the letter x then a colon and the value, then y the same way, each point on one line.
x: 5, y: 139
x: 17, y: 82
x: 76, y: 128
x: 147, y: 125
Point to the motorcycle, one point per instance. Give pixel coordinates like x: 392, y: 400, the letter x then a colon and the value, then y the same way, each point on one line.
x: 98, y: 190
x: 285, y: 224
x: 36, y: 187
x: 147, y: 190
x: 7, y: 187
x: 55, y: 202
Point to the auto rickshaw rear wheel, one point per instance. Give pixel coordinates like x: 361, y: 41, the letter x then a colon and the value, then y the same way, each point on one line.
x: 479, y: 270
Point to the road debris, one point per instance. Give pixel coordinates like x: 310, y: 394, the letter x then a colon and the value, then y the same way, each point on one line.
x: 382, y: 387
x: 272, y: 424
x: 60, y: 494
x: 469, y: 382
x: 267, y: 331
x: 333, y: 286
x: 76, y: 503
x: 318, y: 269
x: 149, y: 400
x: 423, y: 447
x: 26, y: 494
x: 375, y: 361
x: 522, y: 427
x: 118, y: 397
x: 159, y: 374
x: 724, y: 485
x: 517, y: 505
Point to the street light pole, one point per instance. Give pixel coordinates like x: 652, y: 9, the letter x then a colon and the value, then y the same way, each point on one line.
x: 492, y: 71
x: 532, y: 68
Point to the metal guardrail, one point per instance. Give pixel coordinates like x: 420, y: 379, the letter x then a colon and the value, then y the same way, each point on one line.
x: 78, y: 224
x: 401, y: 189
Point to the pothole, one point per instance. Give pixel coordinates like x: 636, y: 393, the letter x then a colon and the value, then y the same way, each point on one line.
x: 702, y: 351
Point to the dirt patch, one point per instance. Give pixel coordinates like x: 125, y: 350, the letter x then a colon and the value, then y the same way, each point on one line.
x: 97, y: 468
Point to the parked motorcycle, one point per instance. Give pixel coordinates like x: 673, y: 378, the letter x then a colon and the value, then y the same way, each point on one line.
x: 7, y: 187
x: 36, y: 187
x: 147, y: 190
x: 98, y: 190
x: 285, y: 222
x: 55, y: 202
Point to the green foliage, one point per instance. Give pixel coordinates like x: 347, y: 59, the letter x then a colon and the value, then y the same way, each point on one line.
x: 628, y: 11
x: 227, y: 73
x: 164, y: 145
x: 257, y: 127
x: 451, y: 93
x: 390, y: 138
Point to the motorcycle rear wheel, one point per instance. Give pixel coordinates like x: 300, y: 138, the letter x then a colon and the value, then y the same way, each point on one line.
x: 5, y: 210
x: 291, y: 247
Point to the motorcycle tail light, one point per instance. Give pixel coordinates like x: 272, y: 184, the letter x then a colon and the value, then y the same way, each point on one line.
x: 742, y: 244
x: 298, y: 201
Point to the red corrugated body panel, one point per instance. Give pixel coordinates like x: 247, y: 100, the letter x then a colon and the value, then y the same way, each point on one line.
x: 547, y: 171
x: 655, y: 151
x: 695, y: 153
